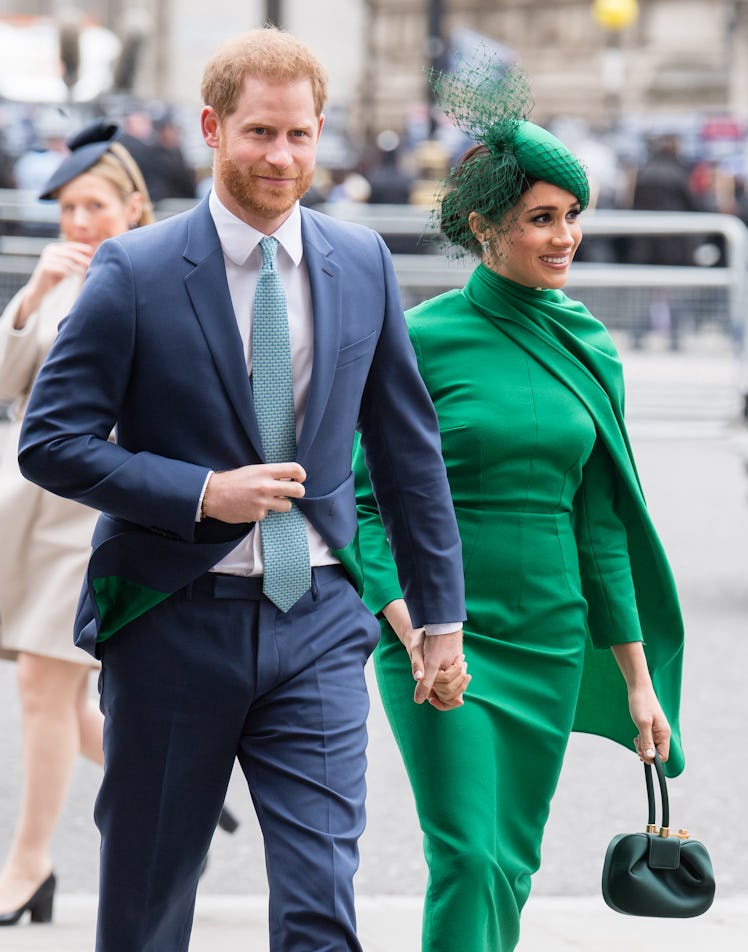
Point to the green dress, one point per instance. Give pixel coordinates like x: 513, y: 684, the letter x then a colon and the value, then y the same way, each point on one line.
x: 560, y: 561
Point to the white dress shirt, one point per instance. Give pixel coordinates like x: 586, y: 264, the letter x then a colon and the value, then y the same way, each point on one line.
x: 242, y: 256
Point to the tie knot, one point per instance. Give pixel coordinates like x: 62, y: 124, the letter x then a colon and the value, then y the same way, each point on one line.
x: 269, y: 248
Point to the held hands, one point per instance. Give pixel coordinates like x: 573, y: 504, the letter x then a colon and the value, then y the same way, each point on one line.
x: 57, y: 261
x: 442, y: 655
x: 437, y: 661
x: 247, y: 494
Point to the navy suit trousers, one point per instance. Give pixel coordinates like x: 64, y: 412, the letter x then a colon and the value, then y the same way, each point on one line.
x: 213, y: 674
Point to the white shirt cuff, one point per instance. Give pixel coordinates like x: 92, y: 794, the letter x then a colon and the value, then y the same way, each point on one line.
x: 202, y: 496
x: 445, y: 628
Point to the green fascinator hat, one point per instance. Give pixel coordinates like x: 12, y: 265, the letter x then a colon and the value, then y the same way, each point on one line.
x: 490, y: 103
x: 544, y: 157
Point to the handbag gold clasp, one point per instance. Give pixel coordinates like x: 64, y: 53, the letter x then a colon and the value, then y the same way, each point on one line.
x: 664, y: 831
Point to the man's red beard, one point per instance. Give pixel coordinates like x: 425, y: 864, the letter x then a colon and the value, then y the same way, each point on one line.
x: 248, y: 186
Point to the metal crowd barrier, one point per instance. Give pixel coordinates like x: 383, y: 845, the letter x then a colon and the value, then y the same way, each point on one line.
x: 623, y: 296
x: 619, y: 294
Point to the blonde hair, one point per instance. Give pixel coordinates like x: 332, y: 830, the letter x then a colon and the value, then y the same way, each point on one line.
x: 267, y: 53
x: 120, y: 169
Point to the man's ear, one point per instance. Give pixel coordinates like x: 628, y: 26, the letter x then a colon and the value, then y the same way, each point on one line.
x: 210, y: 127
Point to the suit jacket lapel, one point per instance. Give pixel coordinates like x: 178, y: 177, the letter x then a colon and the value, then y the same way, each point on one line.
x: 326, y: 291
x: 208, y: 290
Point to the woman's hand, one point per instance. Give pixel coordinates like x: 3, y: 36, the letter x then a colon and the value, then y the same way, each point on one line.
x: 56, y: 262
x: 646, y: 712
x: 450, y: 679
x: 398, y: 617
x: 653, y: 726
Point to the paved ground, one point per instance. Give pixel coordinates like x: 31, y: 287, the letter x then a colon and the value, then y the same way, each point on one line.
x: 682, y: 413
x: 390, y: 924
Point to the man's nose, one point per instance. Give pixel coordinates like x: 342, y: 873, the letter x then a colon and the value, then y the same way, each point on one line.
x: 278, y: 154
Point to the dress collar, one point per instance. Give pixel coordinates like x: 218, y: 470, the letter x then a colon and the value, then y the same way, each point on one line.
x: 486, y: 289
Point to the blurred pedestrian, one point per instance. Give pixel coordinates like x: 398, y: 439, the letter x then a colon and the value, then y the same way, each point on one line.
x: 47, y: 539
x: 166, y: 171
x: 37, y: 163
x: 154, y: 138
x: 7, y: 174
x: 663, y: 184
x: 565, y: 578
x: 390, y: 183
x: 348, y: 186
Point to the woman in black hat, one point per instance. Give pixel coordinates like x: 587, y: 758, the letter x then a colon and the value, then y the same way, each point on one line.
x: 46, y: 539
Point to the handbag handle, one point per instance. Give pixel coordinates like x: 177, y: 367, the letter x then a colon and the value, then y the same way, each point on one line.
x: 664, y: 829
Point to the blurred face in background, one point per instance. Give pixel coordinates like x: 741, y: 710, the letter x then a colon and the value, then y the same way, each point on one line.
x: 91, y: 210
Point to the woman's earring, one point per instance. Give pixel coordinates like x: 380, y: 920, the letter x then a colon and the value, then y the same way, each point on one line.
x: 485, y: 245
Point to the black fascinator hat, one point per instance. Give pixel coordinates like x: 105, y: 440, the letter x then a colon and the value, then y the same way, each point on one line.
x: 86, y: 148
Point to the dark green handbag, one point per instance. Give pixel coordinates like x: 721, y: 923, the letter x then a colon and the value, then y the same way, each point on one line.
x: 658, y: 873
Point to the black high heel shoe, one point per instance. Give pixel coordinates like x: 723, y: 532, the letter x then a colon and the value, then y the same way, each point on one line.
x: 227, y: 821
x: 40, y: 905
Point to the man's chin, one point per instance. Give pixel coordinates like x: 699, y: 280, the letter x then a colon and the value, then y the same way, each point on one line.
x: 270, y: 202
x: 269, y: 209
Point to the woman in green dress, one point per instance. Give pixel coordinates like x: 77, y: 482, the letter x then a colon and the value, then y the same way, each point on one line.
x: 573, y: 619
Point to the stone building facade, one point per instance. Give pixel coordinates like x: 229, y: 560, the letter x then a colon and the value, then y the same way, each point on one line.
x: 678, y: 56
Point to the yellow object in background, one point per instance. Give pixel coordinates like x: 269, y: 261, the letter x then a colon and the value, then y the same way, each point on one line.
x: 615, y: 14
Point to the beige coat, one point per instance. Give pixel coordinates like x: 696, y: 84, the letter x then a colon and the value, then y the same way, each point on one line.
x: 45, y: 539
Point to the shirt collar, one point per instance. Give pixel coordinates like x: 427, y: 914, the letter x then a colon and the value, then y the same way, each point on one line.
x: 239, y: 240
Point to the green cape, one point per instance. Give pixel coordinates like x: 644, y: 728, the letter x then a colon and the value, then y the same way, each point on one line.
x: 564, y: 337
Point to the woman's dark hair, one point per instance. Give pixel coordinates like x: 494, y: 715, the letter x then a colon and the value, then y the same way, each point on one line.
x: 482, y: 183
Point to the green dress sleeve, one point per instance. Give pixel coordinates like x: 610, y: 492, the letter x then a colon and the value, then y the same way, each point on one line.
x: 604, y: 561
x: 378, y: 580
x: 380, y: 583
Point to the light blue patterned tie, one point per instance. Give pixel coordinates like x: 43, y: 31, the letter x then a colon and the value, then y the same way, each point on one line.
x: 285, y: 549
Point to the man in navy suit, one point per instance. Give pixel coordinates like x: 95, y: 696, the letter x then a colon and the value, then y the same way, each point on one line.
x: 199, y: 667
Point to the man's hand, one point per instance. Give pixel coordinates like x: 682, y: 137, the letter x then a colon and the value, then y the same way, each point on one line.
x: 450, y: 685
x: 441, y: 655
x: 247, y: 494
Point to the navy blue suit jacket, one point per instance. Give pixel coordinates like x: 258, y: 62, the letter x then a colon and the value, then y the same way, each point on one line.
x: 152, y: 348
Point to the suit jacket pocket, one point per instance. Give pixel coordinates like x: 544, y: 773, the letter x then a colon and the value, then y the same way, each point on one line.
x: 333, y: 514
x: 358, y: 348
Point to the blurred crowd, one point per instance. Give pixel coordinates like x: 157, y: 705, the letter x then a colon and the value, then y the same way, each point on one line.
x: 660, y: 170
x: 32, y: 144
